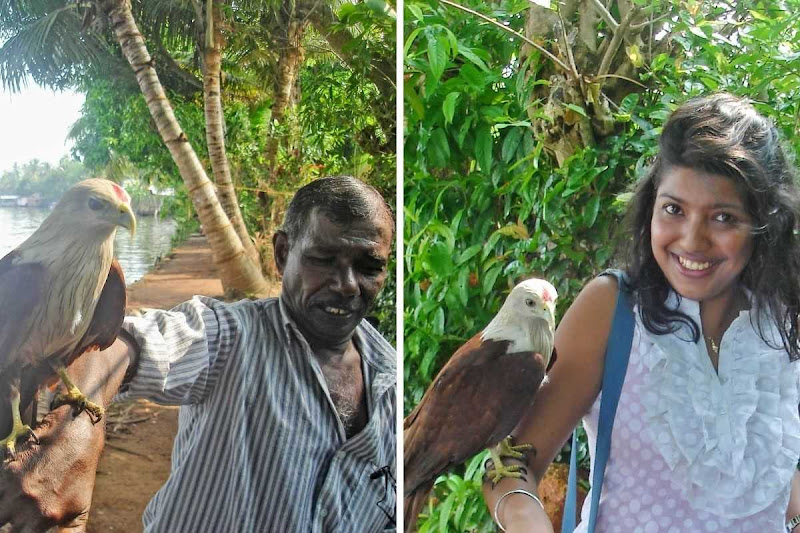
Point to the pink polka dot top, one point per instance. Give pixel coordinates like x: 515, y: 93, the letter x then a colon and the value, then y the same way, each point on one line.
x: 699, y: 450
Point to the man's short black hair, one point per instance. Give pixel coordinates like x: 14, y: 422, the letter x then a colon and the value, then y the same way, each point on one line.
x: 343, y: 199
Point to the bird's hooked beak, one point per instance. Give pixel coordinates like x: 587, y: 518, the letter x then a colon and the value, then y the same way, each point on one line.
x: 126, y: 218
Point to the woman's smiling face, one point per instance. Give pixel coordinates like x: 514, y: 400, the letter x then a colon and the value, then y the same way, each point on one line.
x: 701, y: 234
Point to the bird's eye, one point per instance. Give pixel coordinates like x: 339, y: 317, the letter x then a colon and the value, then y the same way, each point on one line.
x: 528, y: 302
x: 95, y: 204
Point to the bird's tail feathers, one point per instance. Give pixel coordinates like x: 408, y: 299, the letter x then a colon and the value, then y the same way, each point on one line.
x: 413, y: 504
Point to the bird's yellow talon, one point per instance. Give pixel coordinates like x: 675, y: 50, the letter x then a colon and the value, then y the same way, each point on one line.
x: 80, y: 402
x: 506, y: 449
x: 77, y: 399
x: 10, y: 442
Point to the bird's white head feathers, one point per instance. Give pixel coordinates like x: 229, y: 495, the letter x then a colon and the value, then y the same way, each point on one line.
x: 91, y: 211
x: 81, y: 226
x: 96, y: 203
x: 526, y: 319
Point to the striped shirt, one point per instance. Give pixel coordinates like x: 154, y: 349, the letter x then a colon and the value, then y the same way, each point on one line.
x: 260, y: 446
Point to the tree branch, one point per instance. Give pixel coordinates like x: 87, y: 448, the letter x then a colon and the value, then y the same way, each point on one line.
x: 490, y: 20
x: 567, y: 49
x: 174, y: 68
x: 598, y: 5
x: 605, y: 64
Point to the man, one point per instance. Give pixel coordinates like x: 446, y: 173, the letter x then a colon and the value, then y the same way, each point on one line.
x: 288, y: 417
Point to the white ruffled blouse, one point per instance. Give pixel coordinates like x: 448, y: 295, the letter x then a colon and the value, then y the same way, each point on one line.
x: 726, y: 443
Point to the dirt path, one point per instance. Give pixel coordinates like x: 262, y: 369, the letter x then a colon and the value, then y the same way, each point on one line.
x: 136, y: 459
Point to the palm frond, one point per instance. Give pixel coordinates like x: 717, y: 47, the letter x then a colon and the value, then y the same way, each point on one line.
x: 50, y: 49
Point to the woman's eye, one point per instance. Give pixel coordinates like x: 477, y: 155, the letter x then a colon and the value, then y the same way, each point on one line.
x: 95, y: 204
x: 672, y: 209
x: 725, y: 218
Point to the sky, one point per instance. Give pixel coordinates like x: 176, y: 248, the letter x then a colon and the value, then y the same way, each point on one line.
x: 34, y: 124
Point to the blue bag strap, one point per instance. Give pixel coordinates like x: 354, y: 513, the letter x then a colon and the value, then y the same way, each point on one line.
x: 616, y: 365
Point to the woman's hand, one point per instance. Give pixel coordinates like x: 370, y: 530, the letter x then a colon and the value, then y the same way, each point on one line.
x: 518, y: 512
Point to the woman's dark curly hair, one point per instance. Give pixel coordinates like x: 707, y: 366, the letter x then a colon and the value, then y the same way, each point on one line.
x: 725, y: 135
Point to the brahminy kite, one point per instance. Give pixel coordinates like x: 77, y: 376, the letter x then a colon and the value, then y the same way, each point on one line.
x: 61, y: 293
x: 480, y: 395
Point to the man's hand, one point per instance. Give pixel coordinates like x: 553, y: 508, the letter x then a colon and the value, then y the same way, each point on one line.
x: 51, y: 483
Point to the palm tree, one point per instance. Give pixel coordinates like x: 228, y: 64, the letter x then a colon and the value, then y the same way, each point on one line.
x: 50, y: 47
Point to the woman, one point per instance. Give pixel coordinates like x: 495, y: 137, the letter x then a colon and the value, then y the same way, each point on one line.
x: 707, y: 434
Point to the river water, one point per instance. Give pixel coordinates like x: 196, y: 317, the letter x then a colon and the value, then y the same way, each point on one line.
x: 137, y: 255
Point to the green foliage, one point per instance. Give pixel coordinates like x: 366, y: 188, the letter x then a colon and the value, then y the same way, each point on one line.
x: 456, y: 502
x: 486, y: 205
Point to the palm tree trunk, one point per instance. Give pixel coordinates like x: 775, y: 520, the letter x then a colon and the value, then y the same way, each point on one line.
x: 239, y: 274
x: 290, y: 60
x: 215, y: 137
x: 289, y: 63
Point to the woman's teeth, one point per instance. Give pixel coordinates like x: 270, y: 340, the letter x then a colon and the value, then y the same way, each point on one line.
x: 693, y: 265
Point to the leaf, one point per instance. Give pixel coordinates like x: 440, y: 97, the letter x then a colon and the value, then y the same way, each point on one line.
x: 468, y: 254
x: 379, y: 6
x: 635, y: 55
x: 410, y: 40
x: 759, y: 16
x: 438, y: 321
x: 698, y: 31
x: 438, y: 260
x: 449, y: 107
x: 542, y: 3
x: 463, y: 286
x: 438, y: 149
x: 578, y: 109
x: 591, y: 210
x: 471, y: 56
x: 483, y: 149
x: 412, y: 99
x: 518, y: 231
x: 629, y: 102
x: 416, y: 11
x: 444, y: 512
x: 511, y: 143
x: 437, y: 56
x: 489, y: 279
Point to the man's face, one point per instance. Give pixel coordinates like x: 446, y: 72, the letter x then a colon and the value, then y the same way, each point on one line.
x: 332, y: 274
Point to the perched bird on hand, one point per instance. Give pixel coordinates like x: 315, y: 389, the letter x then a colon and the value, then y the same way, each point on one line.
x: 61, y: 293
x: 480, y: 395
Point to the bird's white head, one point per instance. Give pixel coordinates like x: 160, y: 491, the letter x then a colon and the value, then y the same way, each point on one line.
x: 95, y: 206
x: 535, y: 298
x: 527, y: 318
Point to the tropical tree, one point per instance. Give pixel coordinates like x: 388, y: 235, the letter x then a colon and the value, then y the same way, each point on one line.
x: 525, y: 127
x: 179, y: 33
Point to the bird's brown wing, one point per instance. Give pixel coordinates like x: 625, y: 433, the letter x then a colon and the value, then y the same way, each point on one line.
x: 103, y: 330
x: 476, y: 400
x: 21, y: 290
